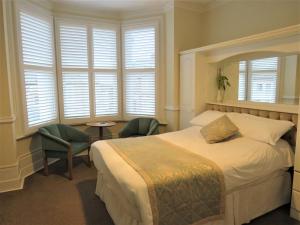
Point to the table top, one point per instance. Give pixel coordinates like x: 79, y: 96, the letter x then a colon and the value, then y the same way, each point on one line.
x: 101, y: 124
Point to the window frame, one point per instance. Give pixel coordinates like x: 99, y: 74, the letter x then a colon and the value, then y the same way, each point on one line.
x: 90, y: 24
x: 248, y: 78
x: 131, y: 24
x: 43, y: 14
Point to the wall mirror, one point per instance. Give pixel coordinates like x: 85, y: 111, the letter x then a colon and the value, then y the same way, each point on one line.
x: 263, y: 77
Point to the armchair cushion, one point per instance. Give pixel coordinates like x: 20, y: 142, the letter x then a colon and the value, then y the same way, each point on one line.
x: 57, y: 139
x: 53, y: 130
x: 140, y: 127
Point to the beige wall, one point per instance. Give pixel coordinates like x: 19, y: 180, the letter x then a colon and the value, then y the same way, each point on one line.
x: 185, y: 27
x: 246, y: 17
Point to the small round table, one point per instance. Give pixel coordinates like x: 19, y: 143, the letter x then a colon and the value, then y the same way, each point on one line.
x: 101, y: 125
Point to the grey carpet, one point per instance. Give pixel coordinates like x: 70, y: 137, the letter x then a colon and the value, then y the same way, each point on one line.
x: 54, y: 200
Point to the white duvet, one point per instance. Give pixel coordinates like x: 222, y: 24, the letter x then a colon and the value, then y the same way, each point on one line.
x: 242, y: 160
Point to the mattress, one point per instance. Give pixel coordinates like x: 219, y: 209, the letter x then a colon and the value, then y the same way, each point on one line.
x: 242, y: 160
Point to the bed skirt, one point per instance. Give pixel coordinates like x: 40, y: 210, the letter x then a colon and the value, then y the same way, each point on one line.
x: 241, y: 206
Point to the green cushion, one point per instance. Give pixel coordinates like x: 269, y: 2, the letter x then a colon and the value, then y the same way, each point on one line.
x: 144, y: 126
x: 140, y: 127
x: 77, y: 147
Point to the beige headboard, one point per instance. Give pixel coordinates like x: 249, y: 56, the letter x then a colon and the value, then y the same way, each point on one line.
x: 291, y: 136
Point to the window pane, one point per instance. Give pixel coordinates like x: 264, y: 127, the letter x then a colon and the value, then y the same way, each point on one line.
x: 40, y: 97
x: 242, y: 81
x: 140, y: 48
x: 106, y: 94
x: 76, y: 94
x: 105, y: 48
x: 263, y: 76
x: 36, y: 37
x: 140, y: 93
x: 73, y: 44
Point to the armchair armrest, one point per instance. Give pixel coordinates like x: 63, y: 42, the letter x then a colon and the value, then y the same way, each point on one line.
x: 153, y: 129
x: 75, y: 134
x: 51, y: 142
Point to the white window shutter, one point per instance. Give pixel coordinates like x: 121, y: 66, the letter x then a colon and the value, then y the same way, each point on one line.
x: 106, y: 94
x: 263, y: 78
x: 140, y: 71
x: 39, y: 73
x: 242, y: 81
x: 105, y: 72
x: 140, y: 93
x: 75, y: 74
x: 76, y: 94
x: 105, y: 48
x: 73, y: 44
x: 258, y: 80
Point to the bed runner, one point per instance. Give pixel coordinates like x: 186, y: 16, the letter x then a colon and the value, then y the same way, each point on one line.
x: 184, y: 188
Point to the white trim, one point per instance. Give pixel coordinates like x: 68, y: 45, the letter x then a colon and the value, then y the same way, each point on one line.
x: 7, y: 119
x: 172, y: 108
x: 12, y: 176
x: 278, y: 33
x: 295, y: 214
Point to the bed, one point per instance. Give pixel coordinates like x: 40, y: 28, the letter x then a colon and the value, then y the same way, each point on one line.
x: 255, y: 174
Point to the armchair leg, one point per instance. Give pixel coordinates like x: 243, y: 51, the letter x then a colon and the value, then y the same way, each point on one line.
x: 70, y: 166
x: 46, y: 171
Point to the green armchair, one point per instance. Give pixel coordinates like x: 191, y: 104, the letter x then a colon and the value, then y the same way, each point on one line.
x: 140, y: 127
x: 64, y: 142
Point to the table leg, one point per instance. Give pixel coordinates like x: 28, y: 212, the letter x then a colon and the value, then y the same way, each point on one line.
x: 100, y: 133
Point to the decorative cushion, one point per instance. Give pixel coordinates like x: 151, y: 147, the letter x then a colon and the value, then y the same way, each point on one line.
x: 219, y: 130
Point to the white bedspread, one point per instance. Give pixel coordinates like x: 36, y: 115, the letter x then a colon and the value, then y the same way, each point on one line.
x: 242, y: 161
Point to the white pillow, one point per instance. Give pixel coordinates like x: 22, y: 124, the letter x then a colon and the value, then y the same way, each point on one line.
x: 206, y: 117
x: 259, y: 128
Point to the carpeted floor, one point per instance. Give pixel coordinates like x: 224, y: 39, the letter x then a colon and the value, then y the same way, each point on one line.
x: 55, y: 200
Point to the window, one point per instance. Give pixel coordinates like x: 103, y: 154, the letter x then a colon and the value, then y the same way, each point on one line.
x: 38, y: 69
x: 105, y: 72
x: 258, y: 80
x: 75, y: 74
x: 140, y: 71
x: 89, y: 70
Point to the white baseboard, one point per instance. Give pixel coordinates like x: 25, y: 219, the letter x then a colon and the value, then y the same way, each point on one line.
x: 12, y: 177
x: 295, y: 214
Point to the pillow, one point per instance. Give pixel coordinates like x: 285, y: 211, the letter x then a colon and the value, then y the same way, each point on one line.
x: 206, y: 117
x: 259, y: 128
x: 219, y: 130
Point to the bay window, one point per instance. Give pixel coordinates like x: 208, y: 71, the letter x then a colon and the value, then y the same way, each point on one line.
x: 95, y: 79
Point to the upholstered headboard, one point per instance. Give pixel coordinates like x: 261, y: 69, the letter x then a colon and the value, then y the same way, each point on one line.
x: 290, y: 136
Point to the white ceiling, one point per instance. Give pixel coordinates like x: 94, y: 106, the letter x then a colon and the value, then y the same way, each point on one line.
x: 121, y: 6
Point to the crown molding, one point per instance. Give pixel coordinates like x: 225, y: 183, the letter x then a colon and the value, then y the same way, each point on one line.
x: 71, y: 9
x: 289, y: 31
